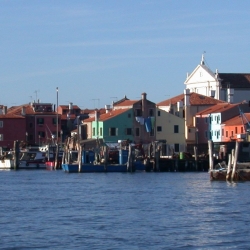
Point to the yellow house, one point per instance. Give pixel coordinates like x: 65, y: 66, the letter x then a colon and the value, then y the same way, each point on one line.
x: 170, y: 128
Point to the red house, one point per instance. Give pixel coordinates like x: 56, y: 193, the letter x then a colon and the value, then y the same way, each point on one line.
x: 31, y: 124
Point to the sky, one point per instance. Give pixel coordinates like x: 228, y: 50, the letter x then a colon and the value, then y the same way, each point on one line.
x: 98, y: 51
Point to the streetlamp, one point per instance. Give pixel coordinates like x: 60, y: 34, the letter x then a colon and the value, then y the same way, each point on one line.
x: 197, y: 136
x: 61, y: 138
x: 57, y: 115
x: 26, y: 138
x: 56, y: 158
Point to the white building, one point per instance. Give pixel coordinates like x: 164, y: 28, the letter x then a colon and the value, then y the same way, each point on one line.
x: 229, y: 87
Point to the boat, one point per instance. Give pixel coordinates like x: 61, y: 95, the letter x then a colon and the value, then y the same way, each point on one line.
x: 28, y: 159
x: 233, y: 170
x: 32, y: 160
x: 6, y: 161
x: 221, y: 172
x: 90, y: 163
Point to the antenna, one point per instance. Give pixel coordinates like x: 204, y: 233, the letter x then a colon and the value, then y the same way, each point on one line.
x: 114, y: 97
x: 36, y: 91
x: 96, y: 100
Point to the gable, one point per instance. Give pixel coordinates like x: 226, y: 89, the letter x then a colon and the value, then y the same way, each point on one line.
x: 201, y: 74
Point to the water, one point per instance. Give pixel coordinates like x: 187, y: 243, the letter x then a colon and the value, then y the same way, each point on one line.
x: 55, y: 210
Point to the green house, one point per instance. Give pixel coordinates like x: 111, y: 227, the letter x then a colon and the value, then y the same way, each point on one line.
x: 111, y: 126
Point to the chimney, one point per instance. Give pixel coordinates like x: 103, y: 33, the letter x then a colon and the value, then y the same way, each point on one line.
x: 179, y: 106
x: 5, y: 110
x: 107, y: 108
x: 23, y: 110
x: 96, y: 115
x: 187, y: 97
x: 70, y: 107
x: 230, y: 95
x: 143, y: 98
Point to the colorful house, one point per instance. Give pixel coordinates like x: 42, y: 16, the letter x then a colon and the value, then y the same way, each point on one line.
x: 186, y: 106
x: 111, y: 126
x: 217, y: 123
x: 34, y: 123
x: 143, y: 118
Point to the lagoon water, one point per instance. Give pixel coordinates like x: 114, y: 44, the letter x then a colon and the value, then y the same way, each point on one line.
x: 55, y: 210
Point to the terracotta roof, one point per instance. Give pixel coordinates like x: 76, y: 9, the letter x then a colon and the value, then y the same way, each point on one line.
x: 92, y: 111
x: 172, y: 100
x: 235, y: 80
x: 237, y: 120
x: 195, y: 99
x: 11, y: 116
x: 106, y: 116
x: 65, y: 116
x: 67, y: 106
x: 126, y: 103
x: 17, y: 110
x: 218, y: 108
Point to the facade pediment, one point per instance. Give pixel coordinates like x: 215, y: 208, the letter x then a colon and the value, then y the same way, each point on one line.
x: 201, y: 74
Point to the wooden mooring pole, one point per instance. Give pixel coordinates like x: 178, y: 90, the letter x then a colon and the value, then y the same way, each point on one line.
x: 210, y: 153
x: 196, y: 158
x: 80, y: 158
x: 229, y: 165
x: 235, y: 160
x: 16, y: 155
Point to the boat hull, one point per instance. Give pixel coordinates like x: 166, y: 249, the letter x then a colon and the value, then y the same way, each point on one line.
x: 31, y: 165
x: 91, y: 168
x: 6, y: 164
x: 240, y: 175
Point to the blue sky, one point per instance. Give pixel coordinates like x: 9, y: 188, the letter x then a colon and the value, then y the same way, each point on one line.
x: 97, y: 51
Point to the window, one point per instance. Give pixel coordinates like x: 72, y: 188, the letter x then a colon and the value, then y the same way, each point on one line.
x: 152, y: 132
x: 31, y: 125
x: 151, y: 112
x: 137, y: 131
x: 236, y: 130
x: 176, y: 147
x: 138, y: 112
x: 54, y: 121
x: 40, y: 121
x: 129, y: 115
x: 113, y: 131
x: 222, y: 132
x: 159, y: 128
x: 128, y: 131
x: 93, y: 132
x: 159, y: 113
x: 100, y: 131
x: 232, y: 133
x: 241, y: 129
x: 1, y: 137
x: 226, y: 133
x: 176, y: 129
x: 1, y: 124
x: 41, y: 134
